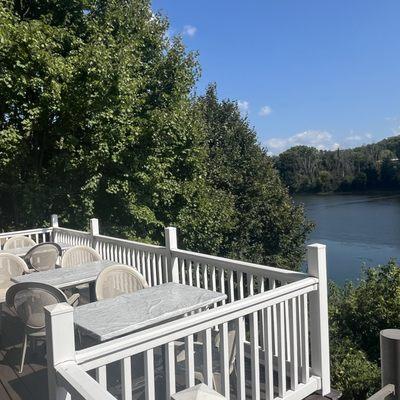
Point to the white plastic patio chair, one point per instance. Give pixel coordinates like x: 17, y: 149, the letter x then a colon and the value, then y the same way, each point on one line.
x: 118, y: 279
x: 10, y: 266
x: 43, y: 256
x: 79, y: 255
x: 198, y: 353
x: 28, y: 300
x: 17, y: 242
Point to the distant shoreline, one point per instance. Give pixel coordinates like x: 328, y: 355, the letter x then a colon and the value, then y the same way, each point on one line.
x: 344, y: 193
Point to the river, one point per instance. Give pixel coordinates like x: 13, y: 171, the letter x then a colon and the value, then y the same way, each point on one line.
x: 358, y: 230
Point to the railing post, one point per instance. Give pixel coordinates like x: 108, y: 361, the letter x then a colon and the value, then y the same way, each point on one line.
x: 390, y: 360
x: 94, y: 231
x: 60, y: 342
x: 171, y: 243
x: 319, y: 318
x: 53, y: 224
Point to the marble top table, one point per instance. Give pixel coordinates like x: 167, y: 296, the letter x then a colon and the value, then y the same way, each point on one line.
x: 67, y: 277
x: 21, y: 251
x: 110, y: 318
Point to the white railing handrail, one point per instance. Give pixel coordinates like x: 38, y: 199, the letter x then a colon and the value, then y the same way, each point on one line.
x: 69, y: 230
x: 138, y: 342
x: 26, y: 232
x: 243, y: 266
x: 131, y: 243
x: 79, y: 383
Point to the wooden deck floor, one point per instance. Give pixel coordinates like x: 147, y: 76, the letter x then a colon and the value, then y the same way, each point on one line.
x: 32, y: 383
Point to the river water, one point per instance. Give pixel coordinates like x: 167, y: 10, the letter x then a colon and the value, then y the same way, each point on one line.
x: 358, y: 230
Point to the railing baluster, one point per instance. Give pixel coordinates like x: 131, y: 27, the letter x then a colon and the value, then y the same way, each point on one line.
x: 154, y: 268
x: 272, y: 286
x: 222, y: 282
x: 268, y: 353
x: 189, y: 361
x: 231, y: 287
x: 126, y: 378
x: 281, y: 350
x: 207, y: 358
x: 197, y: 274
x: 183, y: 272
x: 148, y: 266
x: 294, y: 367
x: 101, y: 376
x: 224, y: 355
x: 170, y: 369
x: 190, y: 272
x: 255, y: 360
x: 205, y: 276
x: 240, y: 371
x: 149, y: 374
x: 305, y: 355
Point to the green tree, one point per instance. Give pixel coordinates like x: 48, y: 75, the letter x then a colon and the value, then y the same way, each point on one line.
x: 268, y: 227
x: 97, y: 119
x: 357, y: 314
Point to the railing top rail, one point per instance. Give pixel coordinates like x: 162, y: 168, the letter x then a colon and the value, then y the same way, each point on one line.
x: 284, y: 275
x: 63, y: 229
x: 26, y: 231
x: 134, y: 343
x: 129, y: 242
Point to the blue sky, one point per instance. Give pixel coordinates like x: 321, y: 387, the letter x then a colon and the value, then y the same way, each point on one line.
x: 323, y: 73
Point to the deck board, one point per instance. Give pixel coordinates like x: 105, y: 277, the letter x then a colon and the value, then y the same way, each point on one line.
x: 32, y: 383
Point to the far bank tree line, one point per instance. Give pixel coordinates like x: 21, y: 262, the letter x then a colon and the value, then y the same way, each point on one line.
x: 371, y: 167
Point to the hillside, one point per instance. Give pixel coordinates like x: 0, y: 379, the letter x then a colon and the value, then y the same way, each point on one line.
x: 371, y: 167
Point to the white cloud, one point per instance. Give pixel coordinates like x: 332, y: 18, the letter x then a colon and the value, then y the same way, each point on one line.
x: 243, y: 105
x: 189, y: 30
x: 322, y: 140
x: 358, y: 137
x: 265, y: 111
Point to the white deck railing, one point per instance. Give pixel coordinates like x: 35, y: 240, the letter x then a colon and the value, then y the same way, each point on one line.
x: 279, y: 319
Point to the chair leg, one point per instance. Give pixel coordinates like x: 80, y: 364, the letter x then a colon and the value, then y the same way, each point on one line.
x: 23, y: 353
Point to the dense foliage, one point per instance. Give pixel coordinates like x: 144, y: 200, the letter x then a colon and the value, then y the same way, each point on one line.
x: 98, y: 118
x: 357, y: 314
x: 372, y: 167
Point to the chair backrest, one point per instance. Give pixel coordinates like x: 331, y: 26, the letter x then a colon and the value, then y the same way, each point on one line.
x: 10, y: 266
x: 231, y: 346
x: 28, y: 299
x: 79, y: 255
x: 43, y: 256
x: 118, y: 279
x: 18, y: 241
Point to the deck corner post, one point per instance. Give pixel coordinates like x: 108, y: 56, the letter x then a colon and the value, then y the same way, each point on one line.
x: 53, y: 224
x: 171, y: 243
x: 60, y: 343
x: 94, y: 231
x: 319, y: 318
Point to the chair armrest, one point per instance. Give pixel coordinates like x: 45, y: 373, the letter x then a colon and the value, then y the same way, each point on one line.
x: 73, y: 300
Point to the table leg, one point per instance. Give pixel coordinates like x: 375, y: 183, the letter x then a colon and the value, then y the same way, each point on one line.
x: 92, y: 291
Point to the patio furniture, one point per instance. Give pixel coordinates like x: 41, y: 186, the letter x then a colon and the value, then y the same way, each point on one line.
x: 110, y: 318
x: 18, y: 242
x: 43, y: 256
x: 28, y: 300
x: 10, y: 266
x: 118, y: 279
x: 198, y: 356
x: 22, y: 251
x: 198, y: 392
x: 78, y: 255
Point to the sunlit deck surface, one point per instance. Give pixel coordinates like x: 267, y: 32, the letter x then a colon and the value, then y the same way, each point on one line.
x: 32, y: 383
